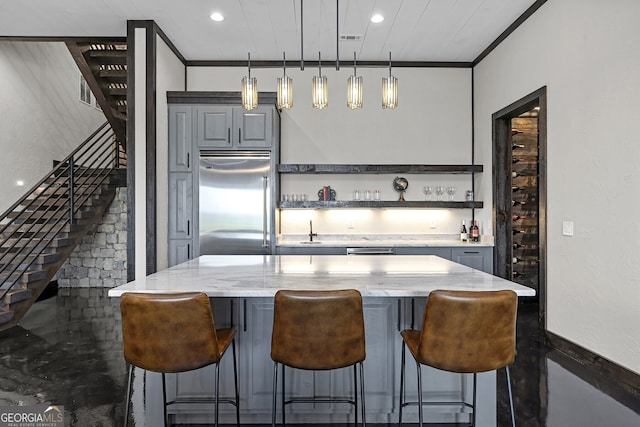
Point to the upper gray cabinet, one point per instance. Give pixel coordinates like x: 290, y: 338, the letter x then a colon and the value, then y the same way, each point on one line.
x: 180, y: 138
x: 227, y: 127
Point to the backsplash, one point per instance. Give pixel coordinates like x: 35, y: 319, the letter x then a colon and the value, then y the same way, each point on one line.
x: 376, y: 221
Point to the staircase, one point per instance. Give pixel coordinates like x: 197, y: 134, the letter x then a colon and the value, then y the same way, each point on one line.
x: 40, y: 230
x: 104, y: 66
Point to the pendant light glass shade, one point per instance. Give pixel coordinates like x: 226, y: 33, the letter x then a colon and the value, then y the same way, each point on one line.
x: 249, y: 89
x: 354, y: 88
x: 320, y: 88
x: 389, y: 90
x: 284, y: 98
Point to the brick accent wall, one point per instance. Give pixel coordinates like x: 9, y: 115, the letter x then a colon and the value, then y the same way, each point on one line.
x: 100, y: 260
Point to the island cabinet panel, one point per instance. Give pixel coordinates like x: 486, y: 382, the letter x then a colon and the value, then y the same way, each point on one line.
x: 199, y: 383
x: 380, y: 318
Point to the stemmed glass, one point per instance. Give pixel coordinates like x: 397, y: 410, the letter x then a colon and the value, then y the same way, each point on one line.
x: 451, y: 191
x: 439, y: 191
x: 427, y: 192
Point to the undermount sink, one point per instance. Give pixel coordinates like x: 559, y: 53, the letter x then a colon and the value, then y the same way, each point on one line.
x: 306, y: 242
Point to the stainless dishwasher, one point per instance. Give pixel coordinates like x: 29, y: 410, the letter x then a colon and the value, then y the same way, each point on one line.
x: 371, y: 251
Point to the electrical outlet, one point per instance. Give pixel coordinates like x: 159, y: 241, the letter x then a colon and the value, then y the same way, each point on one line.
x: 350, y: 225
x: 433, y: 224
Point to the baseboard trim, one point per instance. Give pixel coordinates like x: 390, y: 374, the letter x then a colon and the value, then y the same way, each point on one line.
x: 613, y: 379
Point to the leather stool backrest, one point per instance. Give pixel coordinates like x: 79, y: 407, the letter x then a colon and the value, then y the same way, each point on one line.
x: 469, y: 331
x: 168, y: 332
x: 318, y: 329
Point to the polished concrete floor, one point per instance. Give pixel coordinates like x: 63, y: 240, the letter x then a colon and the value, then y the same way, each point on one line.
x: 67, y: 351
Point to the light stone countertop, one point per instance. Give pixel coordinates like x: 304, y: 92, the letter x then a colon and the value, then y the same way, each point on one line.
x: 379, y: 240
x: 262, y: 275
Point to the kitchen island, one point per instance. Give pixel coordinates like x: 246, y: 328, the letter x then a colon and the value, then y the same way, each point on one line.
x: 394, y: 289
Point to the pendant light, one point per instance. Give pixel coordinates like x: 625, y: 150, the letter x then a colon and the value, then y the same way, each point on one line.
x: 249, y: 89
x: 320, y: 88
x: 284, y: 98
x: 389, y: 90
x: 354, y: 88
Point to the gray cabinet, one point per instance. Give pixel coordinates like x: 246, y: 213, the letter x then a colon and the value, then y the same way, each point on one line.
x: 480, y: 258
x: 195, y: 127
x: 180, y: 138
x: 443, y: 252
x: 311, y: 249
x: 180, y: 217
x: 226, y: 127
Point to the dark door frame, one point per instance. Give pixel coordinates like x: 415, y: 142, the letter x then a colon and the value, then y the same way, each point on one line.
x: 501, y: 136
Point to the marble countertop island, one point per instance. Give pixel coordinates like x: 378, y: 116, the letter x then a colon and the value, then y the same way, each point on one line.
x: 263, y: 275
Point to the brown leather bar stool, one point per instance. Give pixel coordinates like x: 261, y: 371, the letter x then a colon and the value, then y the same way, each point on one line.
x: 318, y: 330
x: 170, y: 333
x: 464, y: 332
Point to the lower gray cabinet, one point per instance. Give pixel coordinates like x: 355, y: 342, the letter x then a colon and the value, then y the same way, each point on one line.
x: 480, y: 258
x: 443, y: 252
x: 311, y: 250
x: 180, y: 250
x: 180, y: 217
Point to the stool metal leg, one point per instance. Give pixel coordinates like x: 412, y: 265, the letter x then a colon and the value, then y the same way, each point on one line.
x: 217, y: 396
x: 364, y: 419
x: 164, y: 401
x: 401, y: 384
x: 513, y: 415
x: 283, y: 401
x: 235, y: 376
x: 355, y: 393
x: 473, y: 419
x: 275, y: 394
x: 126, y: 404
x: 419, y: 394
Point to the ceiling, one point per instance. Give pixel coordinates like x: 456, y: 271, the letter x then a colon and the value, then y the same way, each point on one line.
x: 413, y: 30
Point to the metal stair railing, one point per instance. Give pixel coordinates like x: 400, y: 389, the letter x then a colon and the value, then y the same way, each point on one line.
x: 45, y: 212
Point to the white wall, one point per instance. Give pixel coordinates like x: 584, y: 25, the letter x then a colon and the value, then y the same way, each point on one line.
x: 170, y: 75
x: 586, y: 53
x: 42, y: 118
x: 432, y: 125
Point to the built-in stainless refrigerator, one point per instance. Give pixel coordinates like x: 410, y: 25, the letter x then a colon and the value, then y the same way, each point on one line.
x: 235, y: 203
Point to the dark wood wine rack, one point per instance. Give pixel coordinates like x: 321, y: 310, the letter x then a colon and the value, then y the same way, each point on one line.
x: 525, y: 196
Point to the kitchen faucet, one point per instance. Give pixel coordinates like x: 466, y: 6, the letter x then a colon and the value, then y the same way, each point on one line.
x: 311, y: 233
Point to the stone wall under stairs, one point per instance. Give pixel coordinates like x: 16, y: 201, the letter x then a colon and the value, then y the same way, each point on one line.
x: 100, y: 260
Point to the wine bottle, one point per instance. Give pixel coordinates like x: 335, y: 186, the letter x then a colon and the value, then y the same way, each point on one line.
x: 475, y: 231
x: 518, y: 231
x: 464, y: 236
x: 516, y: 146
x: 516, y: 274
x: 517, y: 202
x: 521, y: 246
x: 515, y: 160
x: 515, y: 132
x: 517, y: 217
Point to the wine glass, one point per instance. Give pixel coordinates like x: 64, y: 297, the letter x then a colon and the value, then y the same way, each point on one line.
x: 439, y: 191
x: 451, y: 191
x: 427, y: 192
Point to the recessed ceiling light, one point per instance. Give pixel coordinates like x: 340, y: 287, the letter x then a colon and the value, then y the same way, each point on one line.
x: 217, y: 16
x: 377, y: 18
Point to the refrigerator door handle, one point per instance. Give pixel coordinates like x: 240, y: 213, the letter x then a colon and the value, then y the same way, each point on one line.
x: 265, y: 188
